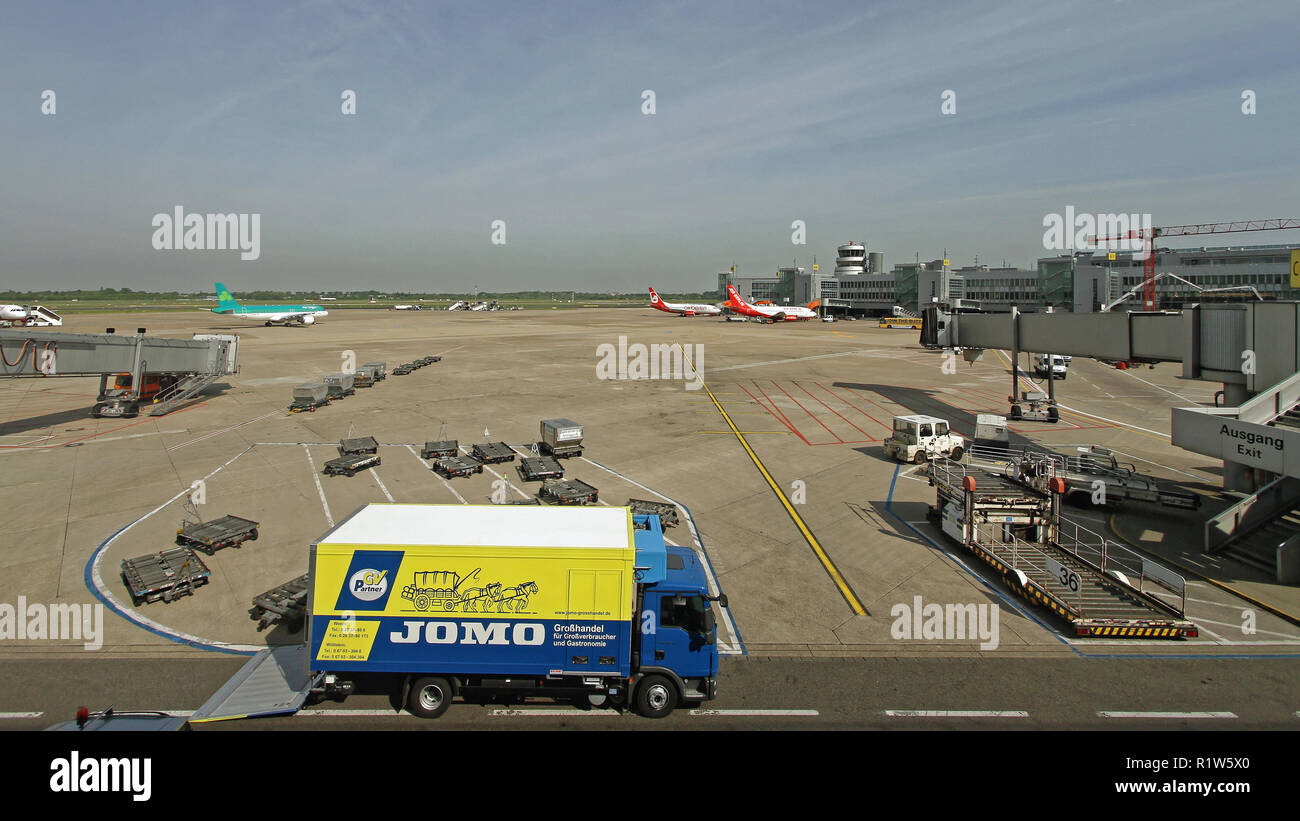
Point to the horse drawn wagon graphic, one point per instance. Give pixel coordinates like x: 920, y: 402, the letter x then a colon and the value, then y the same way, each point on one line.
x: 449, y: 591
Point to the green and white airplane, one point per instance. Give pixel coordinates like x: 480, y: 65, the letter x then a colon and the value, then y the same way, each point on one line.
x: 270, y: 314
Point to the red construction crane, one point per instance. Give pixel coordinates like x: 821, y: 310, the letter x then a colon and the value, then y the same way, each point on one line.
x: 1149, y: 263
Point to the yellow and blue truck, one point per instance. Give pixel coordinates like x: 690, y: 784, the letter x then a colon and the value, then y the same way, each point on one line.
x: 493, y: 602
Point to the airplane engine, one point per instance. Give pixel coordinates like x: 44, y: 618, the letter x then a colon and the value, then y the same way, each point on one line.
x: 308, y: 320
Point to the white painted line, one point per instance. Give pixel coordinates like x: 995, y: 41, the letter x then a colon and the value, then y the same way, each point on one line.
x: 1158, y: 387
x: 438, y: 476
x: 726, y: 713
x: 345, y: 713
x: 1110, y: 714
x: 21, y: 715
x: 957, y: 713
x: 223, y: 430
x: 130, y: 613
x: 543, y: 712
x: 329, y: 517
x: 381, y: 485
x: 1238, y: 626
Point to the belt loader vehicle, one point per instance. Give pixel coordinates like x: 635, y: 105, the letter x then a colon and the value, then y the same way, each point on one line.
x: 508, y: 602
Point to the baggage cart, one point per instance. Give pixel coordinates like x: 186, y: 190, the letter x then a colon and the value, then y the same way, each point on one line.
x: 491, y: 453
x: 569, y: 492
x: 285, y: 603
x: 166, y: 575
x: 667, y: 513
x: 228, y: 531
x: 351, y: 465
x: 358, y: 444
x: 453, y: 466
x: 538, y: 468
x: 439, y: 449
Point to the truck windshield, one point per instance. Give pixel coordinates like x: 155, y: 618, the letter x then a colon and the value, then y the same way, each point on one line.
x: 940, y: 428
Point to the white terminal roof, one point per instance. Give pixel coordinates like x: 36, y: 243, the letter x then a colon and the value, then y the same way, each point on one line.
x: 485, y: 525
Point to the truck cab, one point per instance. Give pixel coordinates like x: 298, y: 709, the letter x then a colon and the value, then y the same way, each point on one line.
x: 677, y: 660
x: 916, y: 437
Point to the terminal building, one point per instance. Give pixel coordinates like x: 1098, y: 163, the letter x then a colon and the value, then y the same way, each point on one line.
x: 1080, y: 282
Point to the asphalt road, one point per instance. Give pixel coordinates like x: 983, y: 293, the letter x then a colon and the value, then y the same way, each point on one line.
x: 754, y: 694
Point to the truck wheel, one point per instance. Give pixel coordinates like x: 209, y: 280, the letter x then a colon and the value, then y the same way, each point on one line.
x: 918, y: 457
x: 252, y: 537
x: 430, y: 697
x: 656, y: 697
x: 956, y: 454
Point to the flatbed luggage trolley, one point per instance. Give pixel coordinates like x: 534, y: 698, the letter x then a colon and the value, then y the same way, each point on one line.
x: 359, y: 444
x: 228, y: 531
x: 429, y: 360
x: 538, y: 468
x: 285, y: 603
x: 453, y: 466
x: 166, y: 575
x: 490, y: 453
x: 667, y: 513
x: 569, y: 492
x: 437, y: 450
x: 351, y: 465
x: 403, y: 370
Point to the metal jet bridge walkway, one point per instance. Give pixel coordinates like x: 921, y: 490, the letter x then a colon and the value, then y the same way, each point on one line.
x: 1099, y: 588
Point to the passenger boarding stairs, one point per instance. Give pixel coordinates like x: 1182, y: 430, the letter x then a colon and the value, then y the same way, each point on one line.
x: 186, y: 389
x: 1101, y: 588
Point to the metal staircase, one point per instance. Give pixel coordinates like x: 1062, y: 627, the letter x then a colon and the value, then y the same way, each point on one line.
x: 185, y: 389
x: 1261, y: 531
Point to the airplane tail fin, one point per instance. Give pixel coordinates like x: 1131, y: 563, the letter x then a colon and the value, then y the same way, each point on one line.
x: 735, y: 297
x: 225, y: 302
x: 653, y: 296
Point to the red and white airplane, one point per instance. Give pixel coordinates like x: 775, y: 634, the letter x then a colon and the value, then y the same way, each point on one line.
x: 682, y: 308
x: 772, y: 312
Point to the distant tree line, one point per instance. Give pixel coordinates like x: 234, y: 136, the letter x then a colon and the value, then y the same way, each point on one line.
x: 129, y: 295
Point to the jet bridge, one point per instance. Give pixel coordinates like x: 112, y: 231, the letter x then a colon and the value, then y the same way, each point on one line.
x: 197, y: 362
x: 1252, y: 348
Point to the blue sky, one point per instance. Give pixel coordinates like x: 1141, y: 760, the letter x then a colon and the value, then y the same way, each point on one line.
x: 531, y: 113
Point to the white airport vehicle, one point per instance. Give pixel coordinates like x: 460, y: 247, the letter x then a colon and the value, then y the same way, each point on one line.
x: 828, y: 318
x: 30, y: 316
x: 456, y: 306
x: 1053, y: 363
x: 769, y: 312
x: 682, y: 308
x: 916, y: 438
